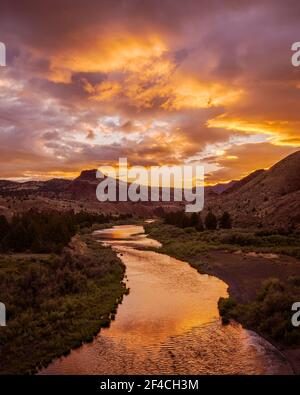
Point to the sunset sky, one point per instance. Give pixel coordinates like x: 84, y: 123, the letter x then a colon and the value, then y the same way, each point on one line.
x: 158, y: 82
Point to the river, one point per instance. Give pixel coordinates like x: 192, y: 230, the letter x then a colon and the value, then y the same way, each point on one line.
x: 169, y: 322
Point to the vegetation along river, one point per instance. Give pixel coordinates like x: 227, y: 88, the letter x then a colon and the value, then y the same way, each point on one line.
x: 169, y: 323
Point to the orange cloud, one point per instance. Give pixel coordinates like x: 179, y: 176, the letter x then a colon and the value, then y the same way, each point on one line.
x: 280, y: 131
x: 239, y: 161
x: 192, y: 93
x: 106, y: 90
x: 155, y: 83
x: 105, y: 54
x: 139, y: 69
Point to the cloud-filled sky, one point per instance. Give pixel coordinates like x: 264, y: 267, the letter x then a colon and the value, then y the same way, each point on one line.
x: 158, y: 82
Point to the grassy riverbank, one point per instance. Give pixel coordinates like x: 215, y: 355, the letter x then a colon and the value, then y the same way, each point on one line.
x: 189, y: 241
x: 263, y: 280
x: 56, y: 302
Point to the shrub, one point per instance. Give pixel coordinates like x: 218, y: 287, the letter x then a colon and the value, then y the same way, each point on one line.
x: 269, y: 313
x: 225, y: 221
x: 210, y: 221
x: 226, y: 305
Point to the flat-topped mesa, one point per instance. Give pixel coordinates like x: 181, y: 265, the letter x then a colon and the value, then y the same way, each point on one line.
x: 87, y: 175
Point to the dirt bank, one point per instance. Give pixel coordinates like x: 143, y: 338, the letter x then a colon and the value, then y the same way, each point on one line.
x: 244, y: 273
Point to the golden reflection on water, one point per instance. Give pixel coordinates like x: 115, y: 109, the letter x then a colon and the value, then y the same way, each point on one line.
x: 169, y: 322
x: 166, y: 298
x: 120, y: 232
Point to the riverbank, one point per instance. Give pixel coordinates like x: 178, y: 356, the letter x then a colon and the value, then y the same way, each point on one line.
x: 56, y: 302
x: 244, y: 271
x: 160, y: 329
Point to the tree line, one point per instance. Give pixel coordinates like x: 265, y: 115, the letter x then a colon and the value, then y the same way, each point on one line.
x: 44, y: 232
x: 211, y: 222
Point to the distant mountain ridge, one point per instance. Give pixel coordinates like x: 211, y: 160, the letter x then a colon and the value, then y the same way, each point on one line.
x: 74, y: 186
x: 243, y: 181
x: 222, y: 187
x: 262, y: 198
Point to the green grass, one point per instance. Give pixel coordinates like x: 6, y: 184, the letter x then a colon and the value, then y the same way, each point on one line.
x: 182, y: 243
x: 56, y: 303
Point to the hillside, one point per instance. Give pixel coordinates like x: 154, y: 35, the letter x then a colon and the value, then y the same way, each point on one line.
x: 266, y: 197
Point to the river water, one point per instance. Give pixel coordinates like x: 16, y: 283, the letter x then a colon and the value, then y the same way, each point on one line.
x: 169, y: 322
